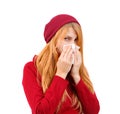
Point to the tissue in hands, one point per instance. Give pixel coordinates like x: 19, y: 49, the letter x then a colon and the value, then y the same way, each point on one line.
x: 73, y: 47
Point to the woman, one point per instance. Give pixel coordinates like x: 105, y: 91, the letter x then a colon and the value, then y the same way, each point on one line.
x: 56, y: 81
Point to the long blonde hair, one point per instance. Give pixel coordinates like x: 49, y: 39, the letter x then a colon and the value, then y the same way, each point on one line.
x: 48, y: 57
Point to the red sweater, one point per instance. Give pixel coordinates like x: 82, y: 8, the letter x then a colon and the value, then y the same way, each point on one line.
x: 47, y: 103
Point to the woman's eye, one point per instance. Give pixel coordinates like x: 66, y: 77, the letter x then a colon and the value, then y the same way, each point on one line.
x: 76, y: 39
x: 66, y: 38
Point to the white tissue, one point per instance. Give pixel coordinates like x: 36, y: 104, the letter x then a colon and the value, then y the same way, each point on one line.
x: 73, y: 47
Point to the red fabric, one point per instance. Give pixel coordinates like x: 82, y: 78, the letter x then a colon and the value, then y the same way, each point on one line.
x: 47, y: 103
x: 55, y: 24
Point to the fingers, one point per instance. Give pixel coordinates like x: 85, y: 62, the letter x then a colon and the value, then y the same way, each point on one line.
x: 77, y: 56
x: 64, y: 63
x: 68, y: 53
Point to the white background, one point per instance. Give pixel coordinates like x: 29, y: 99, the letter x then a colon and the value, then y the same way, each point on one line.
x: 21, y: 36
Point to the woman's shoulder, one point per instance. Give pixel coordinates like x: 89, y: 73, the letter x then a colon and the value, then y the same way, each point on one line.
x: 30, y: 65
x: 29, y: 74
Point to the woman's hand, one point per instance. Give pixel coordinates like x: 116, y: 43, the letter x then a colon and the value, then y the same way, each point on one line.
x: 64, y: 63
x: 76, y: 66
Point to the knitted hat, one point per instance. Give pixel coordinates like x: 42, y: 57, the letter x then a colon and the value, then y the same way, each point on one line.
x: 55, y: 24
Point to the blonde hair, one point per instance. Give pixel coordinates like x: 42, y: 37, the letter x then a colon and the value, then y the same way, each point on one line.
x: 48, y: 57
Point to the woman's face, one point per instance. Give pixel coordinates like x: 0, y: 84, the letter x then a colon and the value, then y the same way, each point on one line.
x: 70, y: 38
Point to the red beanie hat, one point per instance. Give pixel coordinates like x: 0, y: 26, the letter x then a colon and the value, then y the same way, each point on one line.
x: 55, y: 24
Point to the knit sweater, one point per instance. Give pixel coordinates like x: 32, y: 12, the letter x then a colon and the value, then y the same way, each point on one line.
x: 46, y: 103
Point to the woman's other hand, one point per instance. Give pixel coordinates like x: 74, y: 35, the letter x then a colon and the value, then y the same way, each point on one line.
x: 76, y: 66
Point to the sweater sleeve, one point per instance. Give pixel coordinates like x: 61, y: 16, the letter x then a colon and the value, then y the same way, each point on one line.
x: 42, y: 103
x: 89, y: 101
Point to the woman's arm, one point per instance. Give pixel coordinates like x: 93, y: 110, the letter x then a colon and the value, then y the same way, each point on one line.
x: 89, y: 101
x: 39, y: 102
